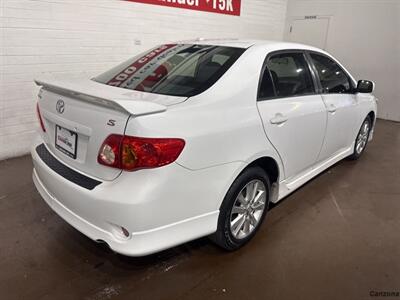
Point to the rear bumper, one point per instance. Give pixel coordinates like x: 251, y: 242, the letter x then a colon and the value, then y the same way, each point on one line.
x: 160, y: 208
x: 140, y: 243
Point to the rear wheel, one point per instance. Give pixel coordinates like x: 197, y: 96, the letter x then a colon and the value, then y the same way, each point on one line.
x: 362, y: 139
x: 243, y: 209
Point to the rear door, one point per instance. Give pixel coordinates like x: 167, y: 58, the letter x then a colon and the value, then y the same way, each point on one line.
x: 294, y: 116
x: 341, y: 103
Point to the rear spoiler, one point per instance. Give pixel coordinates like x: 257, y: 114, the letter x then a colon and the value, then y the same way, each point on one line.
x: 99, y: 94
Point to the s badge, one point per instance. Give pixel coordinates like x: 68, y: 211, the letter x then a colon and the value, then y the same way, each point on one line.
x: 111, y: 122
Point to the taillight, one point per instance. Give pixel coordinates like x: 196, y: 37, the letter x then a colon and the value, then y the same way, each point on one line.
x: 110, y: 152
x: 131, y: 153
x: 40, y: 117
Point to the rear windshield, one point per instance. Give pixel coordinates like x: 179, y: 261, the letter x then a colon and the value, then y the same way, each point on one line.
x: 173, y: 69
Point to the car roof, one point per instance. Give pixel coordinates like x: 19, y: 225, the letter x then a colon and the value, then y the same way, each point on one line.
x: 244, y: 43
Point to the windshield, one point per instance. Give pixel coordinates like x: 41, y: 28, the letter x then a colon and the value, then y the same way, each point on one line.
x: 173, y: 69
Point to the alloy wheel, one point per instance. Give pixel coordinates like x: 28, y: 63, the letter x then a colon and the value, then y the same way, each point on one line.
x: 248, y: 209
x: 362, y: 138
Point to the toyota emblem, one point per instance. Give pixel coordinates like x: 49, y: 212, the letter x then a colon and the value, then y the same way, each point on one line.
x: 60, y: 107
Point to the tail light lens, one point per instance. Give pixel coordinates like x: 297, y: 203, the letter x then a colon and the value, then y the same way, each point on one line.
x: 110, y: 152
x: 131, y: 153
x: 40, y: 117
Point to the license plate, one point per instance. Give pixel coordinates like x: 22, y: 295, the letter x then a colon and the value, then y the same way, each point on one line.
x: 66, y: 141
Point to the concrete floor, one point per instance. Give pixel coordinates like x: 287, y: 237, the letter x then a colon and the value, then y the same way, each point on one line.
x: 335, y: 238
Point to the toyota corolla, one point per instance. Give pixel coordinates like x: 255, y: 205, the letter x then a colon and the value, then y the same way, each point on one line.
x: 195, y: 139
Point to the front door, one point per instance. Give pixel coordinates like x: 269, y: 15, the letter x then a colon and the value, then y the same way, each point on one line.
x: 341, y: 104
x: 294, y: 116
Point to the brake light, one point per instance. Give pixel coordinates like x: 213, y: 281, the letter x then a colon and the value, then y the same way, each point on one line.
x: 131, y: 153
x: 40, y: 117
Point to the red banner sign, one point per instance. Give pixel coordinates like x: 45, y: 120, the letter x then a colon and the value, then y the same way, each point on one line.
x: 228, y: 7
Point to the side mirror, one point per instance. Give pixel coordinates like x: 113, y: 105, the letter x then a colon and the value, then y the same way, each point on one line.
x: 365, y: 86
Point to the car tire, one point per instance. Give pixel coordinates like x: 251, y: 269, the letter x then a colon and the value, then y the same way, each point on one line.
x: 243, y: 209
x: 361, y: 141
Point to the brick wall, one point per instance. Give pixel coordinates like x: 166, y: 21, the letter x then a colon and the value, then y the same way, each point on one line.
x: 82, y: 38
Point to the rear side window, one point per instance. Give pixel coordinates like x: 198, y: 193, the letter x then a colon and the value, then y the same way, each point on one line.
x: 290, y: 74
x: 333, y: 79
x: 266, y: 89
x: 173, y: 69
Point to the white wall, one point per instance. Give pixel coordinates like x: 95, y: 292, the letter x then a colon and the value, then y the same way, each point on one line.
x: 365, y: 36
x: 84, y: 38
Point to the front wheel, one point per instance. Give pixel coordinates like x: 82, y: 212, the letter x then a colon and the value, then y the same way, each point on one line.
x: 362, y: 139
x: 243, y: 209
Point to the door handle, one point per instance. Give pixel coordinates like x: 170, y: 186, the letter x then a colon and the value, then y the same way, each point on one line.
x: 278, y: 119
x: 332, y: 108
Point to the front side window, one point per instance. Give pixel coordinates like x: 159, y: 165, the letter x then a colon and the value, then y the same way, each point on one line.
x: 333, y: 79
x: 290, y: 74
x: 173, y: 69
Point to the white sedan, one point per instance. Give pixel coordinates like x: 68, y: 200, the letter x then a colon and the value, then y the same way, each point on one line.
x: 193, y: 139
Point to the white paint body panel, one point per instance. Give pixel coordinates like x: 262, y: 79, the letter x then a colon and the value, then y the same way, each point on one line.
x: 341, y: 111
x: 225, y: 130
x: 300, y: 138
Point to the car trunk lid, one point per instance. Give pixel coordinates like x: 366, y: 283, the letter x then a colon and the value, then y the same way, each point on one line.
x: 79, y: 115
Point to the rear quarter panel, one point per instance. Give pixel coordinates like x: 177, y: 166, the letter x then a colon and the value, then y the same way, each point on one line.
x: 222, y: 125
